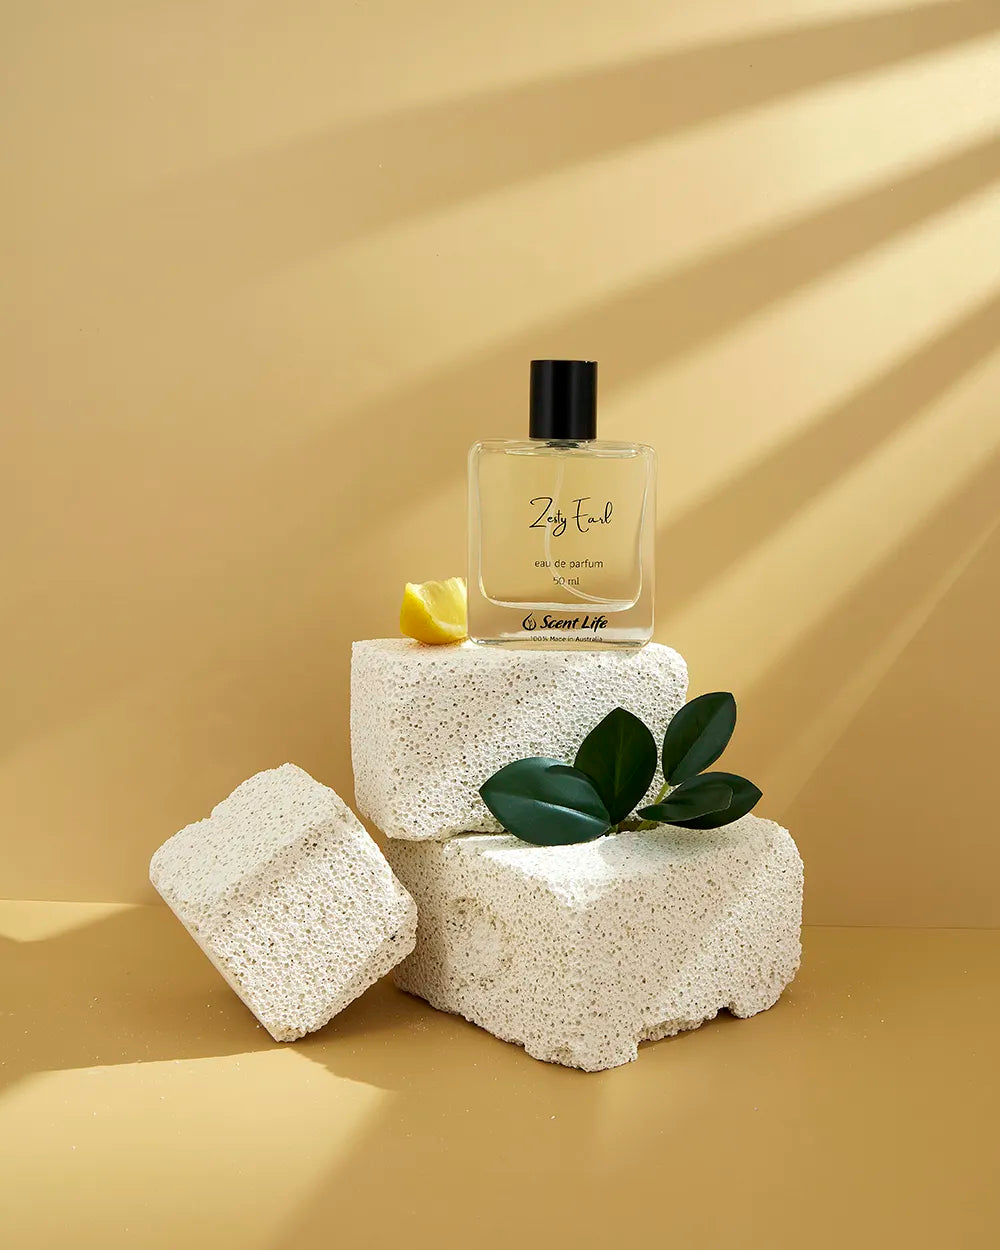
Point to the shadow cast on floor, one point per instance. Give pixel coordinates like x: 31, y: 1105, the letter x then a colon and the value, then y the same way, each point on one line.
x: 475, y: 1140
x: 132, y: 987
x: 129, y: 987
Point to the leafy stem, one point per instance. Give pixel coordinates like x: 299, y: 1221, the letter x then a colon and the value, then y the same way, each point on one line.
x: 548, y: 802
x: 633, y: 826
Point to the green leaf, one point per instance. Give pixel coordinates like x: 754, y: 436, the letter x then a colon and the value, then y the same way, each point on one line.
x: 691, y: 800
x: 698, y: 735
x: 745, y: 799
x: 546, y: 802
x: 619, y: 756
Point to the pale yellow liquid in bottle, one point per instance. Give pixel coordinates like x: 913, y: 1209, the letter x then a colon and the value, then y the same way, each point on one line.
x: 561, y: 543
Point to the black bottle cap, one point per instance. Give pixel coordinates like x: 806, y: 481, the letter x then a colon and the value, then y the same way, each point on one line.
x: 564, y: 399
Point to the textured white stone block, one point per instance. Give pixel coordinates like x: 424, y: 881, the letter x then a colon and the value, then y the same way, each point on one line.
x: 289, y: 897
x: 430, y: 724
x: 578, y: 953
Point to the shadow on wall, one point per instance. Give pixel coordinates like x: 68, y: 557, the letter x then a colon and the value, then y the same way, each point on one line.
x: 176, y: 702
x: 748, y: 509
x: 637, y: 332
x: 828, y: 680
x: 352, y: 181
x: 217, y: 735
x: 926, y: 733
x: 813, y: 672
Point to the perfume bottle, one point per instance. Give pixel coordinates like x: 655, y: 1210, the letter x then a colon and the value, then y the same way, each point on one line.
x: 561, y: 526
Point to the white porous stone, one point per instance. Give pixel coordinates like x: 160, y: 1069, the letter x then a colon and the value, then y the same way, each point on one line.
x: 289, y: 897
x: 578, y: 953
x: 430, y: 724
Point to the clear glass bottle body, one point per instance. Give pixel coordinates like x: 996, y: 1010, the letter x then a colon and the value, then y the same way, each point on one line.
x: 561, y: 543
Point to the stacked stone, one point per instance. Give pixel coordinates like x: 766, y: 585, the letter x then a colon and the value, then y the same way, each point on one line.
x: 577, y: 953
x: 288, y: 896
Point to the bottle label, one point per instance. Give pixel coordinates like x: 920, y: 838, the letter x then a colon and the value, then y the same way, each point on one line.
x: 589, y: 621
x: 584, y: 515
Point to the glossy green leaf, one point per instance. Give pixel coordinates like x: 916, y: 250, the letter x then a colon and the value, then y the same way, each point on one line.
x: 745, y: 798
x: 546, y: 802
x: 693, y: 799
x: 619, y: 756
x: 698, y: 735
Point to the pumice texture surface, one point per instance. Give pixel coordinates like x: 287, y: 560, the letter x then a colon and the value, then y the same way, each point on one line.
x: 289, y: 897
x: 579, y: 953
x: 430, y: 724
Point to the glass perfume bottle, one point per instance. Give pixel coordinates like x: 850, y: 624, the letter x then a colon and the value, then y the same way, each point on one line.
x: 561, y: 525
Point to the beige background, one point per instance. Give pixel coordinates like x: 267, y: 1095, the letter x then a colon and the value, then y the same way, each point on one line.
x: 270, y: 268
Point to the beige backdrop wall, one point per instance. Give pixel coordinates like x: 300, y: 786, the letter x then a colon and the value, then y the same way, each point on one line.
x: 271, y: 268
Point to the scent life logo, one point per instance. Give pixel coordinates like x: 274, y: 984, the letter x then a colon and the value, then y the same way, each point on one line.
x: 594, y: 623
x: 583, y: 517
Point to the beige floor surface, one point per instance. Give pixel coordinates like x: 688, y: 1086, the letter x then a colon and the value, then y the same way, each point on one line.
x: 142, y: 1106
